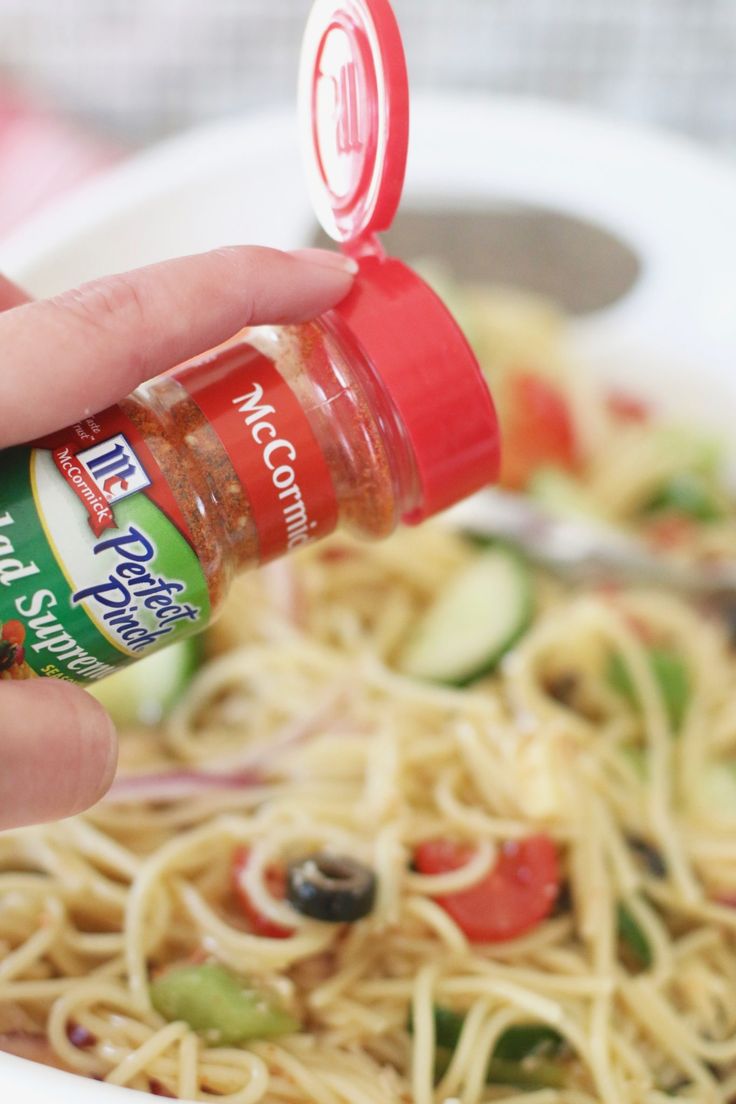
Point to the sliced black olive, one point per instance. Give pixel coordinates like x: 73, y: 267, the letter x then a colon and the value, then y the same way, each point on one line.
x: 724, y: 606
x: 563, y: 901
x: 563, y: 688
x: 333, y: 888
x: 650, y: 856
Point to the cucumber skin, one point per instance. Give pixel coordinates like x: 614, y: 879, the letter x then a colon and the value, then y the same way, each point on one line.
x: 525, y: 620
x: 489, y: 665
x: 129, y: 714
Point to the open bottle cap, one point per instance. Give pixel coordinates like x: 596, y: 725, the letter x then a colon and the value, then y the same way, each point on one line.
x: 354, y: 115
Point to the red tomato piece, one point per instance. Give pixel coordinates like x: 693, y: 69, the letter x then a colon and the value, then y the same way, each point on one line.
x: 14, y: 632
x: 537, y: 430
x: 627, y: 408
x: 513, y: 897
x: 337, y: 555
x: 670, y: 531
x: 276, y: 885
x: 644, y: 632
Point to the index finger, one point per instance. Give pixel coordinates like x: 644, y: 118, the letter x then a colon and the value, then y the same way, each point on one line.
x: 69, y: 357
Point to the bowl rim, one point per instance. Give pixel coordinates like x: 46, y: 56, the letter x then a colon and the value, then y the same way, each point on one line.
x: 205, y: 150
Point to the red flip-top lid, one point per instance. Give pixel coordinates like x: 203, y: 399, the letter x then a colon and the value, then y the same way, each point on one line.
x: 354, y: 113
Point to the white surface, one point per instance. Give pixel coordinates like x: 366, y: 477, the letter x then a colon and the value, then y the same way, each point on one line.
x: 145, y: 68
x: 672, y: 338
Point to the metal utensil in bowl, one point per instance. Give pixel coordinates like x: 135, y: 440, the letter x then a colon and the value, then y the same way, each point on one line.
x: 583, y: 550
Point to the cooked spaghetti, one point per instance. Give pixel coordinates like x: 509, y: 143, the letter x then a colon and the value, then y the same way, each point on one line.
x: 552, y: 845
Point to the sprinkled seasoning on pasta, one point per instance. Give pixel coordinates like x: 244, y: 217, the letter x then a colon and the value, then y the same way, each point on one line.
x: 541, y: 862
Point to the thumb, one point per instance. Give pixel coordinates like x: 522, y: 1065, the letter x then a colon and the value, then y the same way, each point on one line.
x: 57, y: 748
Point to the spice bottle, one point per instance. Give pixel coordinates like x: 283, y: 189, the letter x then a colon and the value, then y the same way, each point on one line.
x: 122, y: 534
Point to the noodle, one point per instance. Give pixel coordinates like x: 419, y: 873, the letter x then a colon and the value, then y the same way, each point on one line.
x: 314, y: 740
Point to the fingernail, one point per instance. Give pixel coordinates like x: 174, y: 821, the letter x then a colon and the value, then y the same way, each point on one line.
x: 327, y: 258
x: 105, y: 735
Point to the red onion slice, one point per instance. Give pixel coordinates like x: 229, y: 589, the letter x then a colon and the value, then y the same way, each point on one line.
x: 178, y: 784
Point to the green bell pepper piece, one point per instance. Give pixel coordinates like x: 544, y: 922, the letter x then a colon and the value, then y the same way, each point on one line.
x: 517, y: 1059
x: 633, y: 937
x: 689, y: 495
x: 223, y: 1008
x: 670, y: 674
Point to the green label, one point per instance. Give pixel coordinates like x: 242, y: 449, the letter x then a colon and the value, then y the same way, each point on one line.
x: 76, y: 603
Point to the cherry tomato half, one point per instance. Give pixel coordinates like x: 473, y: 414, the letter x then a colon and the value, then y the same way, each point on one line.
x: 627, y: 408
x: 514, y: 896
x: 537, y: 430
x: 275, y: 883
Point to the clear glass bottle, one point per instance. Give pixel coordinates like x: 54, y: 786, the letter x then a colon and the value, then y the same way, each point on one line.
x: 370, y: 478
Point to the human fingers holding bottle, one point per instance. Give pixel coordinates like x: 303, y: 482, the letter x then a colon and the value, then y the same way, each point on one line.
x: 67, y: 358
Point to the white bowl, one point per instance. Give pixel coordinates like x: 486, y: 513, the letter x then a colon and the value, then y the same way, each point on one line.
x: 672, y: 337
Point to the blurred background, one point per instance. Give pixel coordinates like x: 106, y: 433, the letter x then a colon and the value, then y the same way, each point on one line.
x: 128, y: 72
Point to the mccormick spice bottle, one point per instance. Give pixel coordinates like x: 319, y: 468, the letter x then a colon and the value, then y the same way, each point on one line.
x: 121, y: 534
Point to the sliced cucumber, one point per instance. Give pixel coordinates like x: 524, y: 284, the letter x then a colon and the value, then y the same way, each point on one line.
x: 143, y: 693
x: 473, y: 623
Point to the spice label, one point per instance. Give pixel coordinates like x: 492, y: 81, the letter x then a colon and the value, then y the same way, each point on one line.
x: 96, y: 566
x: 270, y: 443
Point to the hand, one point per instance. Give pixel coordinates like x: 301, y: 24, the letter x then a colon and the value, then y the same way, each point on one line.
x: 71, y: 356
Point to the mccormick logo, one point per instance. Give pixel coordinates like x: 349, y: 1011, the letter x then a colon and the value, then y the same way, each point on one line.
x: 101, y: 476
x: 115, y: 468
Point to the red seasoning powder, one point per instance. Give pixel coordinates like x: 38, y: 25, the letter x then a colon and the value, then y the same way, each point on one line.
x: 285, y: 402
